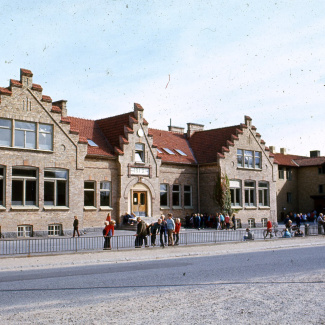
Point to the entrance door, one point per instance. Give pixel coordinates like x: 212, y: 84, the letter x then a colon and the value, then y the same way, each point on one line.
x: 139, y: 204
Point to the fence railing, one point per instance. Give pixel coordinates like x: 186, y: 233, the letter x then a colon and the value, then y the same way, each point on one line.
x: 34, y: 246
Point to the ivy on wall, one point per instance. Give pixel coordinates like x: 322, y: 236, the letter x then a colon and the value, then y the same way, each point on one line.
x: 222, y: 194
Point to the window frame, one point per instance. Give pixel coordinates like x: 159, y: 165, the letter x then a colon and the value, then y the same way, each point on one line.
x: 88, y: 190
x: 264, y: 222
x: 164, y: 192
x: 176, y: 194
x: 249, y: 159
x: 265, y: 195
x: 139, y: 152
x: 56, y: 231
x: 281, y: 172
x: 10, y: 132
x: 24, y: 180
x: 187, y: 193
x: 26, y: 132
x: 289, y: 197
x: 24, y: 231
x: 3, y: 186
x: 46, y: 133
x: 289, y: 173
x: 55, y: 181
x: 251, y: 223
x: 104, y: 190
x: 235, y: 191
x: 251, y: 190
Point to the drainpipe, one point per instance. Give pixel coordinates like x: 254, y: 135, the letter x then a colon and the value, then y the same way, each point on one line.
x: 198, y: 189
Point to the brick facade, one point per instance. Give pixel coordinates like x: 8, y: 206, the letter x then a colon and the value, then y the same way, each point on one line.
x: 122, y: 152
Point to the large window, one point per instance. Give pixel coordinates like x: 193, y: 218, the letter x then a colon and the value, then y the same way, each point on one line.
x: 55, y: 230
x: 249, y: 159
x: 289, y: 197
x: 105, y: 194
x: 249, y: 193
x: 187, y: 195
x: 45, y: 137
x: 176, y: 195
x: 25, y: 135
x: 89, y: 194
x: 263, y: 194
x: 5, y: 132
x: 251, y: 223
x: 235, y: 191
x: 25, y: 231
x: 55, y: 187
x: 164, y: 195
x: 289, y: 174
x: 2, y: 174
x: 139, y: 152
x: 24, y: 186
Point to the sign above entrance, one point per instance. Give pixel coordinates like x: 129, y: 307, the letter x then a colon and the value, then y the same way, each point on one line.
x: 140, y: 171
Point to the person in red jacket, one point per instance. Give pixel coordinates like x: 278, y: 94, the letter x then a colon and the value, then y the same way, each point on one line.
x: 177, y: 230
x: 269, y: 228
x: 108, y: 233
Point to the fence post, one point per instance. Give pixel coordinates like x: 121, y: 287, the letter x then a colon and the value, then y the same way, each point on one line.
x: 319, y: 229
x: 186, y: 238
x: 76, y: 244
x: 28, y: 254
x: 117, y: 242
x: 306, y: 229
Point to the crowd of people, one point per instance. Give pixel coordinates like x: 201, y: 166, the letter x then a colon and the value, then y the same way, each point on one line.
x: 218, y: 221
x: 168, y: 230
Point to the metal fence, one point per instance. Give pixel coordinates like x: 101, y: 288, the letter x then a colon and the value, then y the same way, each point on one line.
x: 34, y: 246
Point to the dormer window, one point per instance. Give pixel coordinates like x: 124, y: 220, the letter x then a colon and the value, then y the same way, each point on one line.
x: 139, y: 152
x: 92, y: 143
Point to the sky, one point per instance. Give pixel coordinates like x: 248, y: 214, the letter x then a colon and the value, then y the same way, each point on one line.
x: 207, y: 62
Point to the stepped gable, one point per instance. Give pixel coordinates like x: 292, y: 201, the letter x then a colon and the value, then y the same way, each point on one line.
x: 287, y: 160
x: 172, y: 141
x: 88, y: 129
x: 115, y: 126
x: 211, y: 144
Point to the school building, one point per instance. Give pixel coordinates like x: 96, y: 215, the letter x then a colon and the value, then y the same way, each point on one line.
x: 54, y: 166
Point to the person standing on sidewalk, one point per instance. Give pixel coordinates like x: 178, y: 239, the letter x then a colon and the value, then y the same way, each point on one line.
x: 170, y: 229
x: 177, y: 230
x: 233, y: 220
x: 154, y: 230
x: 163, y: 230
x: 141, y: 234
x: 76, y: 226
x: 108, y: 233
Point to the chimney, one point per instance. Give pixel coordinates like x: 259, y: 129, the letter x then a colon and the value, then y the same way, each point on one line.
x: 272, y: 149
x: 26, y: 78
x: 283, y: 151
x: 63, y: 105
x: 314, y: 153
x: 193, y: 127
x: 176, y: 129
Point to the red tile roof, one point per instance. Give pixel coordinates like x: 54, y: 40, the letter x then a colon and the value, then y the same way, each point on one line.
x: 15, y: 83
x: 286, y: 160
x: 37, y: 87
x: 47, y: 99
x: 172, y: 141
x: 113, y: 127
x: 89, y: 129
x: 206, y: 145
x: 310, y: 161
x: 26, y: 72
x: 5, y: 91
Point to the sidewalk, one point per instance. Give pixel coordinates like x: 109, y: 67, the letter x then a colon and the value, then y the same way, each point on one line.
x: 144, y: 254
